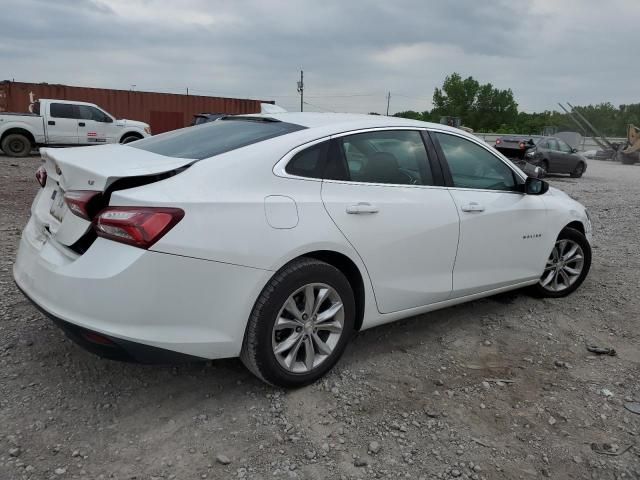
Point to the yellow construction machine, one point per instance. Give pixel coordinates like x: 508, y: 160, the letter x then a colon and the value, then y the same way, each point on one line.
x: 630, y: 153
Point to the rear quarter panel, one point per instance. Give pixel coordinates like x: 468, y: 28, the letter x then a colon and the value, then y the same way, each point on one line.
x: 225, y: 221
x: 32, y: 124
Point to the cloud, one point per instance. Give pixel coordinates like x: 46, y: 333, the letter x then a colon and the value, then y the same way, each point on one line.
x: 352, y: 52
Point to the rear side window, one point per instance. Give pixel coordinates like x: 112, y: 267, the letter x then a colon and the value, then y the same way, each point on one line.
x: 309, y: 162
x: 64, y: 110
x: 214, y: 138
x: 396, y: 157
x: 553, y: 144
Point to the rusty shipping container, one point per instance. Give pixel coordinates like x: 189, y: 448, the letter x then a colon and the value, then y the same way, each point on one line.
x: 163, y: 111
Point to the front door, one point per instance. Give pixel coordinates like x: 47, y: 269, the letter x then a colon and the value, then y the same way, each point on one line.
x: 567, y: 160
x: 62, y: 124
x: 92, y: 129
x: 502, y: 231
x: 380, y: 191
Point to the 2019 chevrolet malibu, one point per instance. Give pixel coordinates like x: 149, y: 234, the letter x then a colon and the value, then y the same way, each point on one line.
x: 276, y: 237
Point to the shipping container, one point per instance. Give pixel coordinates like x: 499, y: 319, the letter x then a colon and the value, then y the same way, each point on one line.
x: 162, y: 111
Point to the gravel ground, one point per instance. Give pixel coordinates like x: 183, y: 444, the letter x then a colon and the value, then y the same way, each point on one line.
x: 498, y: 388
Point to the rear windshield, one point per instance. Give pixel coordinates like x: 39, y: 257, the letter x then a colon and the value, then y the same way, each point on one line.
x: 214, y: 138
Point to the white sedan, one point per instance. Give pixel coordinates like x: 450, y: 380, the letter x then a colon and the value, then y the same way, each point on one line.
x: 276, y: 237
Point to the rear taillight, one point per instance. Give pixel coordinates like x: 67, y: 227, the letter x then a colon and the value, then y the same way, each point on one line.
x: 498, y: 141
x: 137, y: 226
x: 83, y: 203
x: 41, y: 175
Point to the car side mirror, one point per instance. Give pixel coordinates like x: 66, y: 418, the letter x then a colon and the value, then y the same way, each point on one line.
x: 535, y: 186
x: 108, y: 119
x: 574, y: 150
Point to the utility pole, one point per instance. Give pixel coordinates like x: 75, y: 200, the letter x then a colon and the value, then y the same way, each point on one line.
x: 301, y: 90
x: 388, y: 101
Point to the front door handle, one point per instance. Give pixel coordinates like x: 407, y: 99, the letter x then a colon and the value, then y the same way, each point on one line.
x: 51, y: 122
x: 472, y: 207
x: 81, y: 124
x: 362, y: 208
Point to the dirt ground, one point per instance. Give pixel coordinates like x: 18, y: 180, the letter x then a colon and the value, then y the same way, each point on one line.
x: 501, y: 388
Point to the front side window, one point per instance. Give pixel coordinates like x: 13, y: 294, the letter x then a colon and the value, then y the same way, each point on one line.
x: 214, y: 138
x: 563, y: 146
x: 92, y: 113
x: 392, y: 157
x: 472, y: 166
x: 64, y: 110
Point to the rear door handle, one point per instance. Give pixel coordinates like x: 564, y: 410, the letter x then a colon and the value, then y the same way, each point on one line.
x: 472, y: 207
x: 362, y: 208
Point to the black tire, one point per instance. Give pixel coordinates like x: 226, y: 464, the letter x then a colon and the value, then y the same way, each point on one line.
x: 577, y: 237
x: 257, y: 349
x: 578, y: 171
x: 545, y: 166
x: 16, y: 145
x: 629, y: 159
x: 130, y: 138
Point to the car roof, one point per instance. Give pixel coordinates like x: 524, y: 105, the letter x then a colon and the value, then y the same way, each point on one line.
x: 74, y: 102
x: 349, y: 121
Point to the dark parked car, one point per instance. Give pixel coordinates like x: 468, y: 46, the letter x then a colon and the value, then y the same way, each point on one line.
x: 549, y: 153
x: 206, y: 117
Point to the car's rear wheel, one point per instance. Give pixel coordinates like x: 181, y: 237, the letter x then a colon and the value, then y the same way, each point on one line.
x: 16, y: 145
x: 545, y: 167
x: 300, y: 324
x: 567, y: 265
x: 578, y: 171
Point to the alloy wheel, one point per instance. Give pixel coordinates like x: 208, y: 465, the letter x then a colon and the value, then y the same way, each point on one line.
x: 308, y: 327
x: 563, y: 267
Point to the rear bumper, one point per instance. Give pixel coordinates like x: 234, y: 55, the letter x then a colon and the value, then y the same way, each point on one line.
x: 113, y: 348
x: 133, y: 296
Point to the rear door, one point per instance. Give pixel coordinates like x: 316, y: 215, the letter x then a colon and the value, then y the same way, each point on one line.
x: 385, y: 193
x: 62, y: 124
x: 501, y: 230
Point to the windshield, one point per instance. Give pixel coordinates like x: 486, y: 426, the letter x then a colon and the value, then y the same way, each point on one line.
x: 214, y: 138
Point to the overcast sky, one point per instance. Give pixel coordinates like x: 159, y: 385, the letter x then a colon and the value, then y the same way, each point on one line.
x: 352, y: 51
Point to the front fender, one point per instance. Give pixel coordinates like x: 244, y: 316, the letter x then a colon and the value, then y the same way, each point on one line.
x: 563, y: 210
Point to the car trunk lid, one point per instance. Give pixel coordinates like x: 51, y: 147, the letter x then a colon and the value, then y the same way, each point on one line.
x: 99, y: 169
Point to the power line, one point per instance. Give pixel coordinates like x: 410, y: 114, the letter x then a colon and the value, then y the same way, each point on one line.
x: 318, y: 106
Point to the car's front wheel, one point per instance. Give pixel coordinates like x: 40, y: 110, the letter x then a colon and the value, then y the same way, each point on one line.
x: 567, y: 265
x: 578, y: 171
x: 300, y: 324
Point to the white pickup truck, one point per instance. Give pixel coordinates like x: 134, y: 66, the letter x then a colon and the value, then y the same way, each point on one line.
x: 64, y: 123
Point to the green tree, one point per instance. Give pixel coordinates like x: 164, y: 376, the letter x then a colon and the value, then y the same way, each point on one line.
x: 412, y: 114
x: 457, y: 96
x: 481, y: 106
